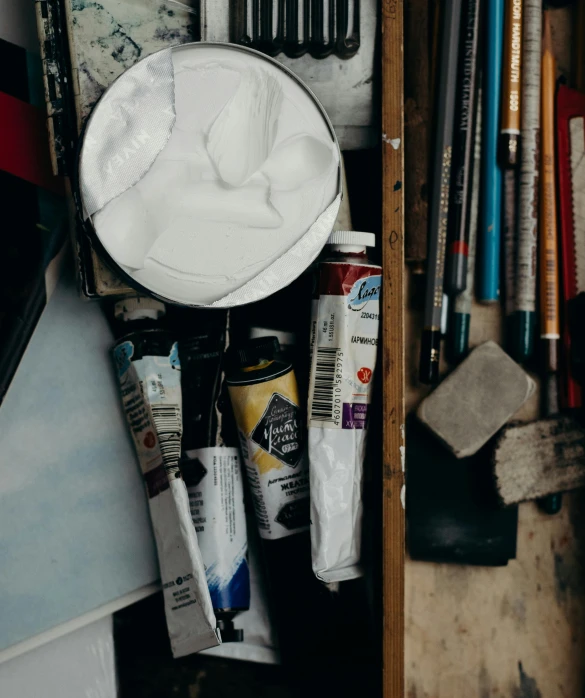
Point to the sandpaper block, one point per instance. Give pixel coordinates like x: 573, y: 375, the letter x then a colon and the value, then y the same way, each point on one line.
x: 452, y: 511
x: 540, y: 458
x: 476, y: 400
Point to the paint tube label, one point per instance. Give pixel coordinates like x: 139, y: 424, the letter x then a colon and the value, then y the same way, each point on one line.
x: 140, y: 421
x: 345, y: 345
x: 153, y: 382
x: 216, y: 498
x: 151, y: 396
x: 273, y: 447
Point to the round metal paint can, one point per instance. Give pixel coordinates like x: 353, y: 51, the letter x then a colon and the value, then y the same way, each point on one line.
x: 209, y: 175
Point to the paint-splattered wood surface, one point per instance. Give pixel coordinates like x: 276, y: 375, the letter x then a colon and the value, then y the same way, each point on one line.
x: 110, y: 36
x: 515, y: 631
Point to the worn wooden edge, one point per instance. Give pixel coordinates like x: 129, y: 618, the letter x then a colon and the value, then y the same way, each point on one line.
x: 417, y: 111
x: 393, y: 348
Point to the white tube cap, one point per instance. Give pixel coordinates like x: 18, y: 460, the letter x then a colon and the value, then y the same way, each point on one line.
x: 139, y: 308
x: 352, y: 237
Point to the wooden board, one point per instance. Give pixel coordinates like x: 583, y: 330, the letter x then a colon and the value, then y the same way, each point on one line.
x: 417, y: 113
x: 393, y: 347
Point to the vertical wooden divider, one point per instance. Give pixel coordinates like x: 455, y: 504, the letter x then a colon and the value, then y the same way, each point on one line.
x: 393, y: 346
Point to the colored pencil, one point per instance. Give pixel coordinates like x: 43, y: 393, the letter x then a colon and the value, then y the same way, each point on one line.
x: 525, y: 311
x: 511, y: 85
x: 549, y: 262
x: 441, y: 170
x: 509, y: 234
x: 491, y: 193
x: 462, y: 167
x: 550, y: 327
x: 458, y: 337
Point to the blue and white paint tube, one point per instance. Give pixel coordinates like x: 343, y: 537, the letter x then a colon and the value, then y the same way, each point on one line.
x: 213, y: 475
x: 149, y: 373
x: 216, y: 497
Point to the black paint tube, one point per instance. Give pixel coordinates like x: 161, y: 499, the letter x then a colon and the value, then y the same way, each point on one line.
x: 264, y: 396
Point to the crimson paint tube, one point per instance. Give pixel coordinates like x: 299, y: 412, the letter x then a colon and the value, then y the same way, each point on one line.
x: 346, y: 321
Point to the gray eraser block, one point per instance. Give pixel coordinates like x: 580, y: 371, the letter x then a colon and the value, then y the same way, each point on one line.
x: 476, y: 400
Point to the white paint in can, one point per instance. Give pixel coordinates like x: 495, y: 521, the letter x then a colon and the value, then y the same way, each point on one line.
x: 243, y: 188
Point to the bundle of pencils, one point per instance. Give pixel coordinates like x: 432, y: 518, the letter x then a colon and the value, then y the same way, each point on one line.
x: 501, y: 170
x: 495, y: 188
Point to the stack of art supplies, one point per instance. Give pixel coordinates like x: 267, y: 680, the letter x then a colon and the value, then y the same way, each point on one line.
x: 507, y: 206
x: 508, y: 181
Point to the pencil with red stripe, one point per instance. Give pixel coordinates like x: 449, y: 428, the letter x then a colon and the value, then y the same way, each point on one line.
x: 462, y: 165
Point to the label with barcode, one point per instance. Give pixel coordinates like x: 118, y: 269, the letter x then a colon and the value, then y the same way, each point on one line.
x: 346, y: 323
x: 161, y: 382
x: 166, y: 420
x: 326, y: 394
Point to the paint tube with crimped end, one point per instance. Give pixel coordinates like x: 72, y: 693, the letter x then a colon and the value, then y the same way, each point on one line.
x: 213, y: 476
x: 265, y: 398
x: 149, y: 374
x: 343, y: 363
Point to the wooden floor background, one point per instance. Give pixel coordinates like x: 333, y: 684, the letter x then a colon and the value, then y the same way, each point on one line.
x: 515, y: 631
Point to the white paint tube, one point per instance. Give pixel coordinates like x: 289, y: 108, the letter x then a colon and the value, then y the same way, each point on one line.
x: 150, y: 380
x: 344, y: 350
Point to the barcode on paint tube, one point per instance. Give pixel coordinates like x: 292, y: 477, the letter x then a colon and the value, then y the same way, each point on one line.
x: 322, y: 403
x: 168, y: 428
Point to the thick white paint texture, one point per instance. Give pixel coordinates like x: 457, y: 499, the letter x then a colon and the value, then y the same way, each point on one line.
x: 243, y: 134
x: 248, y: 168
